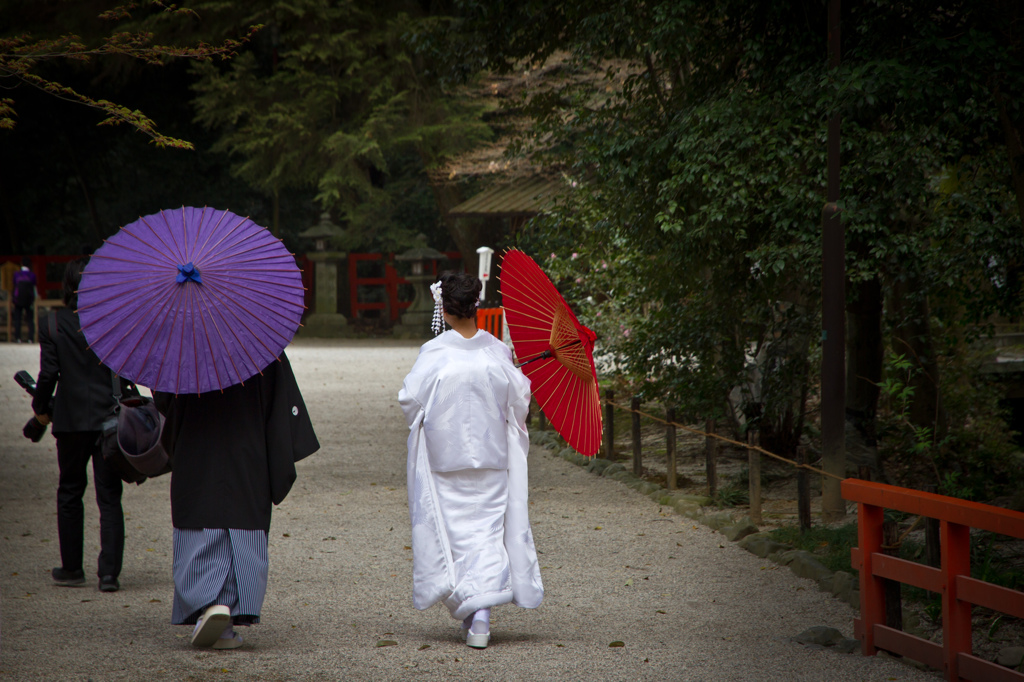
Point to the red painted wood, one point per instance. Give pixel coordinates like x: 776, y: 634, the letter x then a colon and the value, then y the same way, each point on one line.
x: 390, y: 281
x: 979, y: 670
x: 872, y: 591
x: 991, y: 596
x: 952, y: 580
x: 910, y: 572
x: 932, y: 505
x: 913, y: 647
x: 489, y: 319
x: 956, y: 614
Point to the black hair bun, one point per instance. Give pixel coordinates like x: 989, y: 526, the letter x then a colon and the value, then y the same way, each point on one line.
x: 460, y: 294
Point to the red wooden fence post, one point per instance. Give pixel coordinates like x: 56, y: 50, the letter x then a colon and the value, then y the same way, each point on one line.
x: 956, y: 614
x: 872, y: 591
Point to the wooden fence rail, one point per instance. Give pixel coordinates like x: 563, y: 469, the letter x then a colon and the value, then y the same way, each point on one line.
x: 711, y: 442
x: 880, y: 571
x: 952, y: 580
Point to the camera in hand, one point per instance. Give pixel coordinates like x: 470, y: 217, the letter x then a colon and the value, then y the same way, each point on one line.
x: 33, y: 429
x: 25, y: 380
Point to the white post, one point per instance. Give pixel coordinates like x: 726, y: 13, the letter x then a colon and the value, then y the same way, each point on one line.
x: 485, y: 267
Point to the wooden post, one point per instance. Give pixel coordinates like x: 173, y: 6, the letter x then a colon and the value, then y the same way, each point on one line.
x: 542, y: 420
x: 893, y: 601
x: 634, y: 407
x: 754, y: 479
x: 803, y: 490
x: 932, y: 551
x: 956, y: 614
x: 609, y: 424
x: 670, y: 448
x: 872, y: 595
x: 711, y: 453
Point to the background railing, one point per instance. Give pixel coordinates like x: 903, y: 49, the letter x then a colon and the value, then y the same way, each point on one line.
x: 952, y: 580
x: 712, y: 442
x: 389, y: 279
x: 489, y: 319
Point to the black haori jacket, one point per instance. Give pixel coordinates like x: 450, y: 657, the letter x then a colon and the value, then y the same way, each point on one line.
x: 233, y: 452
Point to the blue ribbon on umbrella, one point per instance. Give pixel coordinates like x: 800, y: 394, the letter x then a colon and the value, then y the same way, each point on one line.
x: 188, y: 273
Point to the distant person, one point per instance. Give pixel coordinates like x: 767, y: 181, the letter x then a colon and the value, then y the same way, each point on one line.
x: 24, y: 297
x: 82, y: 398
x: 466, y: 405
x: 233, y: 455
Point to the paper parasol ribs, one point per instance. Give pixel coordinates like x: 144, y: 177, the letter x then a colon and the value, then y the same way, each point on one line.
x: 554, y: 350
x: 190, y: 300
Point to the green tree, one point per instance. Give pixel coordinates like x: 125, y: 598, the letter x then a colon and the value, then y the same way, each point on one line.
x: 108, y: 32
x: 333, y: 97
x: 78, y: 79
x: 701, y: 180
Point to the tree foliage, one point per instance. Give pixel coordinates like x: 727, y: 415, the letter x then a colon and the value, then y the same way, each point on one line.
x: 113, y: 33
x: 333, y: 98
x: 701, y: 175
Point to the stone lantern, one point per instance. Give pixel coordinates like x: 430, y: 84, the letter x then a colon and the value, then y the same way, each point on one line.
x: 415, y: 320
x: 325, y: 320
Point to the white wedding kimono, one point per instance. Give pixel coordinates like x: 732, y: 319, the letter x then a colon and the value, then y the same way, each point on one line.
x: 466, y: 405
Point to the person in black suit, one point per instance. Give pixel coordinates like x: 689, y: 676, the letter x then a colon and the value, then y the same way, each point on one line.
x: 83, y: 400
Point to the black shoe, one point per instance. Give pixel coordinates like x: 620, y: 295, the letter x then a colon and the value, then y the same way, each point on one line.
x: 108, y: 583
x: 67, y: 578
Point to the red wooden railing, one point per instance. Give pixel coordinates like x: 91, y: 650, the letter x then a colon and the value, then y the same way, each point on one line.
x: 489, y: 319
x: 952, y: 580
x: 389, y: 281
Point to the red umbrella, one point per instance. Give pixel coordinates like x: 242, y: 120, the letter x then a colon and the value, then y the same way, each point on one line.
x: 556, y: 352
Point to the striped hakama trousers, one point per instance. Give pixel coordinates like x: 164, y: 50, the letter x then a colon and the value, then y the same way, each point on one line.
x: 219, y: 566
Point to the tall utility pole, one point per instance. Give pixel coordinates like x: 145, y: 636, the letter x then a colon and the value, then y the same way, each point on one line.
x: 833, y: 312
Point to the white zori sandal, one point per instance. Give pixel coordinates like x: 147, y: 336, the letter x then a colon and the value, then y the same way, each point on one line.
x: 210, y: 625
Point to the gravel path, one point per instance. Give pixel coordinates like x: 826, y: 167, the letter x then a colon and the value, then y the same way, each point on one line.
x: 685, y: 603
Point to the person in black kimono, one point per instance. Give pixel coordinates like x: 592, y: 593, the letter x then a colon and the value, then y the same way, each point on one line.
x: 233, y: 455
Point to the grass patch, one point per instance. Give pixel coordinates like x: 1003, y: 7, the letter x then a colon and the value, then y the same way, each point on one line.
x: 831, y: 546
x: 732, y: 496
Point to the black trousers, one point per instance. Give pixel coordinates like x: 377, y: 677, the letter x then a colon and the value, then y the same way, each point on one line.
x: 74, y: 450
x: 30, y: 320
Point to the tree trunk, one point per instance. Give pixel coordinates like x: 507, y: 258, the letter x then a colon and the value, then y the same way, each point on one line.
x: 864, y: 358
x: 1014, y: 151
x: 912, y: 337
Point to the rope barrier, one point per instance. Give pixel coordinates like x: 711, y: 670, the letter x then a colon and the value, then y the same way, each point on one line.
x: 727, y: 440
x: 908, y: 531
x: 758, y: 448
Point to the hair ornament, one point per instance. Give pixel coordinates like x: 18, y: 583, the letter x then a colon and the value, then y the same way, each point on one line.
x: 437, y: 324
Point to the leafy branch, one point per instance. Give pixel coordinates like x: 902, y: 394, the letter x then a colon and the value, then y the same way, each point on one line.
x: 21, y: 57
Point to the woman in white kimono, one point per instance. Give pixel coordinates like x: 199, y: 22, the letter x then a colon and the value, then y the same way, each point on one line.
x: 466, y: 405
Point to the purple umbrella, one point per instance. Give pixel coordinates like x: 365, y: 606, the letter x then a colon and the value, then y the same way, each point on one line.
x: 190, y: 300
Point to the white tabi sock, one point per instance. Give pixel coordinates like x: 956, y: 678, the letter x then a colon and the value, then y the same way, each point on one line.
x: 481, y: 622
